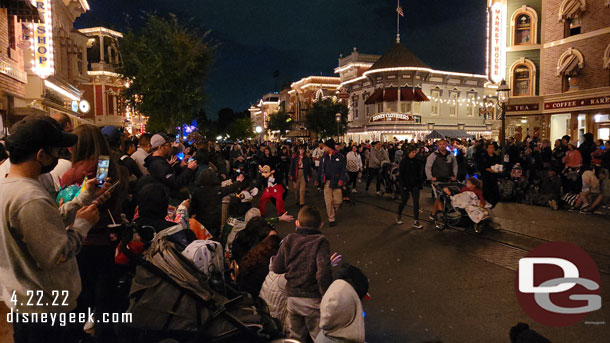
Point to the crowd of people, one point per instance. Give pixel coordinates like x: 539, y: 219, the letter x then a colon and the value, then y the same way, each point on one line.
x: 57, y: 214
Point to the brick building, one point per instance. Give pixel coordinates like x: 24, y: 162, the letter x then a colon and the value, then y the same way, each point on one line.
x: 13, y: 75
x: 576, y: 67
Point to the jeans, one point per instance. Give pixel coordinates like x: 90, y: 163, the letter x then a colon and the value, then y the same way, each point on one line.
x: 404, y: 197
x: 373, y: 173
x: 353, y: 178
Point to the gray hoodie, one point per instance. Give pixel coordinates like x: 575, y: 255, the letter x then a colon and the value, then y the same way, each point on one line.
x: 341, y: 318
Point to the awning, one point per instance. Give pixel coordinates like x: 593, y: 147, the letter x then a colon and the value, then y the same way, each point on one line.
x: 440, y: 134
x: 376, y: 97
x: 24, y: 10
x: 391, y: 95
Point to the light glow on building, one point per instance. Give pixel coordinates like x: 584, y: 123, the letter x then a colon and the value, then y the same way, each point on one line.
x: 352, y: 65
x: 100, y: 30
x: 61, y: 91
x: 497, y: 43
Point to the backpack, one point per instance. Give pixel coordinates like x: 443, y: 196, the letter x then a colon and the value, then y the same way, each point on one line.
x: 206, y: 255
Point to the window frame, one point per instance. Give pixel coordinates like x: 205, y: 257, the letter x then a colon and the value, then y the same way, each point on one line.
x: 436, y: 103
x: 525, y: 10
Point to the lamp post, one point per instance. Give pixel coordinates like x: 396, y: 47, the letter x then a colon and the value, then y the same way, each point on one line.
x: 503, y: 96
x: 259, y: 130
x: 338, y: 119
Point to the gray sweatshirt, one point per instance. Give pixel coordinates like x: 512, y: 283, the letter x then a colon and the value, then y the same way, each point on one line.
x: 37, y: 251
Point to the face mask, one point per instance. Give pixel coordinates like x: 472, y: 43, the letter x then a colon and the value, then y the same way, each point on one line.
x: 47, y: 169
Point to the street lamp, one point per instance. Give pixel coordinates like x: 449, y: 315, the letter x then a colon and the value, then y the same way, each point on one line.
x: 338, y: 119
x: 258, y: 129
x: 503, y: 96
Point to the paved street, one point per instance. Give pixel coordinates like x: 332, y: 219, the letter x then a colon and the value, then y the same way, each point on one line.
x: 455, y: 286
x: 452, y: 286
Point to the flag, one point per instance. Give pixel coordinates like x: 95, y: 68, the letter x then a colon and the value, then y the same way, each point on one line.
x: 399, y: 11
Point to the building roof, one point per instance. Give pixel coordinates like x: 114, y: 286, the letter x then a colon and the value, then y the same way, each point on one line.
x: 398, y: 56
x: 23, y: 9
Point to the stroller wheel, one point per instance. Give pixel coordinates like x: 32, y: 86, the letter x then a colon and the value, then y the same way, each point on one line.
x: 440, y: 221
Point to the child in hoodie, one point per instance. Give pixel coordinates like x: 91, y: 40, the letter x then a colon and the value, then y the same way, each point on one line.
x: 304, y: 258
x: 341, y: 315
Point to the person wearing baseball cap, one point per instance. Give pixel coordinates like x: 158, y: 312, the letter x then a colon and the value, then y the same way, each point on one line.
x: 38, y: 251
x: 160, y: 169
x: 332, y: 176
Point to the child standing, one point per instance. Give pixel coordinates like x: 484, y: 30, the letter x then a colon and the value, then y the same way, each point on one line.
x: 304, y: 258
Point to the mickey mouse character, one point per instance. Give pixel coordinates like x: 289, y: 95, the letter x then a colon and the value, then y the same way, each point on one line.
x: 272, y: 190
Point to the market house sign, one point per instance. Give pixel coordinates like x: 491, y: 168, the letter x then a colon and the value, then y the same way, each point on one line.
x: 393, y: 116
x: 522, y: 108
x: 556, y: 105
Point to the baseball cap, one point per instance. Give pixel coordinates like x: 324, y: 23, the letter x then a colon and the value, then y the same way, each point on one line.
x: 157, y: 140
x: 34, y: 133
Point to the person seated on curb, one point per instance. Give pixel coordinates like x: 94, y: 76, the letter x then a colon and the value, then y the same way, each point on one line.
x: 590, y: 190
x: 603, y: 198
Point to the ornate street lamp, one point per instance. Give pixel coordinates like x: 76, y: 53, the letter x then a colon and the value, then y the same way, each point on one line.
x: 503, y: 97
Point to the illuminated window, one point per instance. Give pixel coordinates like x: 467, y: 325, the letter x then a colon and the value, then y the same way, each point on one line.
x: 523, y: 74
x: 523, y: 30
x: 405, y: 107
x: 435, y: 94
x: 417, y: 107
x: 471, y: 104
x: 572, y: 27
x: 524, y: 26
x: 453, y: 103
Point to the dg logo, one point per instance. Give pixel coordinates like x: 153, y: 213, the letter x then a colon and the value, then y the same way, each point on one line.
x: 558, y: 284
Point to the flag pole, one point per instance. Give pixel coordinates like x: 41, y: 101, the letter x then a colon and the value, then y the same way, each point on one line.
x: 397, y: 22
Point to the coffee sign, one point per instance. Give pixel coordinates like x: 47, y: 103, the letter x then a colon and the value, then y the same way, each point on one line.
x: 394, y: 116
x: 557, y: 105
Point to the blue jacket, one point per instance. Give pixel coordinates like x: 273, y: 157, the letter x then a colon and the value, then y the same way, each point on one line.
x: 333, y: 168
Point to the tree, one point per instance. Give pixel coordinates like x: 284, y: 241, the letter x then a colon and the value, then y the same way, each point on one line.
x: 280, y: 121
x: 321, y: 119
x: 241, y: 128
x: 167, y: 64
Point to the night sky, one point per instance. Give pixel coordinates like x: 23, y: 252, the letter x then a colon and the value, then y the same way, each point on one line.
x: 301, y: 38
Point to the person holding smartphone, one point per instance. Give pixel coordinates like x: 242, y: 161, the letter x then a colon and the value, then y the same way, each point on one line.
x: 39, y: 254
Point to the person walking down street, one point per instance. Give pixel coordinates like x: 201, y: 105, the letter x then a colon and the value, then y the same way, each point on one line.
x: 301, y: 172
x: 354, y: 166
x: 377, y: 156
x: 332, y: 177
x: 411, y: 180
x: 489, y: 175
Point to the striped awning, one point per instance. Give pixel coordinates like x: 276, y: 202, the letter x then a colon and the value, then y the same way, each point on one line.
x: 24, y: 10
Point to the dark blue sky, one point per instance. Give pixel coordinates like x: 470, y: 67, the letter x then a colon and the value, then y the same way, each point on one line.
x: 301, y: 38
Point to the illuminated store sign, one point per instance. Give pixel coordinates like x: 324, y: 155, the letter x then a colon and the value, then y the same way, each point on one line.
x: 42, y: 41
x: 497, y: 43
x: 392, y: 116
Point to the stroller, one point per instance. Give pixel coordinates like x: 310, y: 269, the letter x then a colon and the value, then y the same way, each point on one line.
x: 170, y: 299
x: 454, y: 217
x: 389, y: 179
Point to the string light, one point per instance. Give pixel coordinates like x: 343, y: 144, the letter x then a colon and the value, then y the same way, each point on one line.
x: 352, y: 65
x: 100, y: 30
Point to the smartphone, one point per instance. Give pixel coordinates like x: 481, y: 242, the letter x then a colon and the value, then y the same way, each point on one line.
x: 103, y: 163
x: 110, y: 190
x: 180, y: 156
x: 238, y: 170
x: 191, y: 159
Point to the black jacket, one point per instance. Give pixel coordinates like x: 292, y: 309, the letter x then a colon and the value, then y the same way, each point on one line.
x: 206, y: 200
x: 411, y: 173
x: 307, y: 167
x: 162, y: 171
x: 333, y: 168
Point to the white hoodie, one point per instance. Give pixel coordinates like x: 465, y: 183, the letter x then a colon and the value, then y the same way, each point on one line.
x: 341, y: 317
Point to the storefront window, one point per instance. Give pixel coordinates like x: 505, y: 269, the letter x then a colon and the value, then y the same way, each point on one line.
x: 435, y: 94
x: 405, y: 107
x: 472, y: 104
x: 453, y: 104
x: 523, y: 29
x: 521, y: 81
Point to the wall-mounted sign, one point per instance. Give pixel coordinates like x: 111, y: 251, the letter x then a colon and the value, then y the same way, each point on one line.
x: 557, y: 105
x: 10, y: 69
x: 394, y: 116
x: 497, y: 43
x: 84, y: 106
x: 74, y: 106
x: 42, y: 41
x: 522, y: 108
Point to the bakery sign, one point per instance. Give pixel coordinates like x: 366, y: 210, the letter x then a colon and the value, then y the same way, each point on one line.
x: 522, y: 108
x: 559, y: 105
x: 395, y: 116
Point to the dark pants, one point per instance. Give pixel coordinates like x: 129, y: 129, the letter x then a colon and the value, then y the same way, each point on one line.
x: 353, y: 178
x: 404, y: 197
x: 373, y: 173
x: 99, y: 277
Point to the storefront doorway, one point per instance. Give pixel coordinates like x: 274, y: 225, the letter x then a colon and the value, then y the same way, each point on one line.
x: 560, y: 126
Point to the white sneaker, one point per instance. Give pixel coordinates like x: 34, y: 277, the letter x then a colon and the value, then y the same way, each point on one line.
x: 417, y: 225
x: 399, y: 221
x: 378, y: 193
x: 354, y: 190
